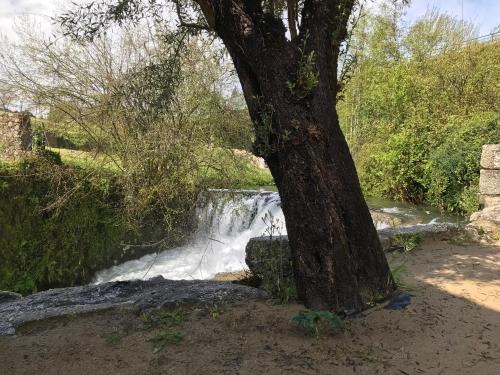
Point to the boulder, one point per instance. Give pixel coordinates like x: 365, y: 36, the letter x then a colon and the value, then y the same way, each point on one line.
x: 489, y: 200
x: 487, y: 214
x: 487, y: 221
x: 269, y: 259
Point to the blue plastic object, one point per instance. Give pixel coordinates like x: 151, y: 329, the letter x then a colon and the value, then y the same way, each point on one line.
x: 399, y: 301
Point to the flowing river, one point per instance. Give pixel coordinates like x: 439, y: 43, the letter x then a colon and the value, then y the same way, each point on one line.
x: 226, y: 221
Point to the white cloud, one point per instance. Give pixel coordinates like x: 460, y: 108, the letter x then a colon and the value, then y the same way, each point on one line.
x: 40, y: 10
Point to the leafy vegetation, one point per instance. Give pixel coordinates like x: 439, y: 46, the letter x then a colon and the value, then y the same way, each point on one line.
x: 165, y: 320
x: 318, y: 322
x: 418, y: 108
x: 399, y: 271
x: 407, y: 241
x: 164, y: 339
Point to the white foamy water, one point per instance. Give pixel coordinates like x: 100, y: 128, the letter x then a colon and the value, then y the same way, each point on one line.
x: 226, y: 223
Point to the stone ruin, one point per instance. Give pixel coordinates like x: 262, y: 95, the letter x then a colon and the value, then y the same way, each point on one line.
x: 488, y: 218
x: 15, y: 134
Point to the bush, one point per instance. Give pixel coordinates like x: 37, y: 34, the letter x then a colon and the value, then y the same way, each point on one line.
x: 452, y: 172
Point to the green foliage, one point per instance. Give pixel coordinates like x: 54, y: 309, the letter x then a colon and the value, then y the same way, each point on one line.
x: 264, y: 130
x: 165, y: 319
x: 164, y: 339
x: 161, y: 121
x: 318, y: 322
x: 171, y: 318
x: 418, y: 109
x: 306, y: 77
x: 114, y: 338
x: 57, y: 225
x: 38, y: 142
x: 452, y: 170
x: 408, y: 241
x: 399, y: 271
x: 216, y: 311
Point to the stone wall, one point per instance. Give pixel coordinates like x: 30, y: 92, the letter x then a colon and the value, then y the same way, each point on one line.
x: 15, y: 134
x: 489, y: 182
x: 488, y: 219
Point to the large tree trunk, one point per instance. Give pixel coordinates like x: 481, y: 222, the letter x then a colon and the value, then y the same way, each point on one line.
x: 290, y: 88
x: 337, y: 257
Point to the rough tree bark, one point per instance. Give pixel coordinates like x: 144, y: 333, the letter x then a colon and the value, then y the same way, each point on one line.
x: 290, y: 88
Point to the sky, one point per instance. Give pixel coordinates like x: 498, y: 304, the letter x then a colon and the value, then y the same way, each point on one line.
x: 483, y: 13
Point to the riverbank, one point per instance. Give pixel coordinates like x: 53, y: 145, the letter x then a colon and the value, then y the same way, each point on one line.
x: 451, y: 327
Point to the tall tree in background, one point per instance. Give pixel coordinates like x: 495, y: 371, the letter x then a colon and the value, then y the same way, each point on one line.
x: 289, y: 78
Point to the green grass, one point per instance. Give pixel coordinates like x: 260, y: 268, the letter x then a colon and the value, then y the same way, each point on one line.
x: 164, y: 339
x: 165, y: 320
x: 318, y: 322
x: 87, y: 160
x: 238, y: 172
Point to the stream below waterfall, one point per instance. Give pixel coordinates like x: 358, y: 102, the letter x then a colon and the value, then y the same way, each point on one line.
x: 226, y: 221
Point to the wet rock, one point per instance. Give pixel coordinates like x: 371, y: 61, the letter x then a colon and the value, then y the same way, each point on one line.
x: 385, y: 219
x: 9, y: 296
x: 143, y: 295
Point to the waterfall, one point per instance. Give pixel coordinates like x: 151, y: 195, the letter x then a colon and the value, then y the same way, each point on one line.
x: 226, y: 221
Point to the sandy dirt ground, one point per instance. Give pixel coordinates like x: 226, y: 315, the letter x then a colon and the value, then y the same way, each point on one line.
x: 451, y: 327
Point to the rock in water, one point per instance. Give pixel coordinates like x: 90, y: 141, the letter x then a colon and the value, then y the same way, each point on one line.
x: 143, y: 295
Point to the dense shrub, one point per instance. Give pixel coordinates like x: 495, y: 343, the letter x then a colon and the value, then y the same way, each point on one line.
x: 451, y: 174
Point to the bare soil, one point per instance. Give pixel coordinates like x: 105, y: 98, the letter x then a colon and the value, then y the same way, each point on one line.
x: 451, y: 327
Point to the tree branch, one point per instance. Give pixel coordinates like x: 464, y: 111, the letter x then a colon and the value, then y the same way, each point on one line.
x: 208, y: 12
